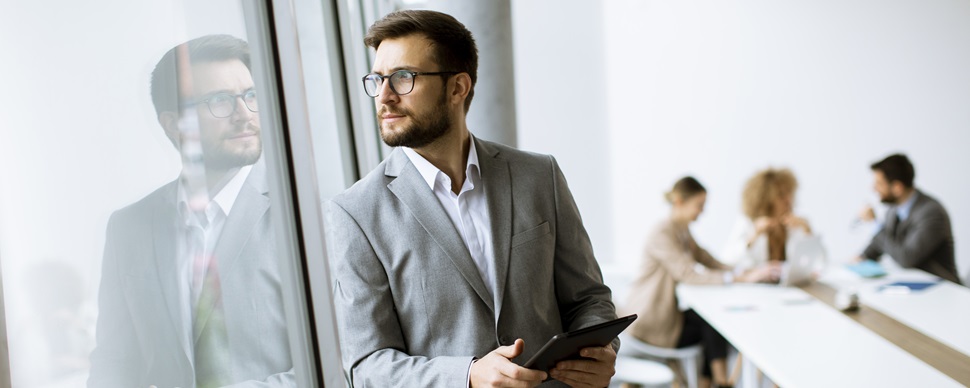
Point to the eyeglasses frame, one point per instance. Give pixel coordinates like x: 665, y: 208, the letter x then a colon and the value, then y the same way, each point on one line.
x: 414, y: 74
x: 241, y: 96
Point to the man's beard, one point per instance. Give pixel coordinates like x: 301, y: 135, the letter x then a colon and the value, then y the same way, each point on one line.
x: 221, y: 156
x: 422, y: 130
x: 888, y: 199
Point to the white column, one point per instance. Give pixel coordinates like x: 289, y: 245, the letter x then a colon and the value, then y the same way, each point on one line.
x: 492, y: 113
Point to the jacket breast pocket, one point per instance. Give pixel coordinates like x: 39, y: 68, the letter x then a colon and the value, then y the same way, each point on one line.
x: 531, y: 234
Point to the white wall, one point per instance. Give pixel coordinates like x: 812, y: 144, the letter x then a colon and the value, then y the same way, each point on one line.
x: 561, y: 101
x: 720, y: 89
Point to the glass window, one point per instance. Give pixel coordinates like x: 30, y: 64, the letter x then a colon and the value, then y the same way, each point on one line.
x: 146, y: 235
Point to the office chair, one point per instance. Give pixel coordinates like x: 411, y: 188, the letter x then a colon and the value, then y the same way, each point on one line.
x: 689, y: 358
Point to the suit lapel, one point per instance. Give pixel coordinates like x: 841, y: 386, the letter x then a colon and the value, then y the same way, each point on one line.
x: 250, y: 206
x: 411, y: 189
x: 498, y: 197
x: 165, y: 239
x: 899, y: 226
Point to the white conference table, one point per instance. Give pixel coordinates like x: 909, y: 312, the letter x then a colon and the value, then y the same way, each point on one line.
x: 798, y: 341
x: 941, y: 312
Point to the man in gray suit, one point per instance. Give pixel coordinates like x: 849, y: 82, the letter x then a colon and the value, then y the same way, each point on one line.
x: 190, y: 286
x: 917, y: 231
x: 456, y: 258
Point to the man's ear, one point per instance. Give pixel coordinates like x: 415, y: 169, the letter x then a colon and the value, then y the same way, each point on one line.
x: 463, y: 85
x: 897, y: 188
x: 170, y: 123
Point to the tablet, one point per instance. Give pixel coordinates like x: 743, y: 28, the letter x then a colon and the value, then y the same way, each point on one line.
x: 566, y: 346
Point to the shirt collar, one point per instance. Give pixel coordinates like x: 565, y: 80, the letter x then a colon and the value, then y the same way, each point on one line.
x: 224, y: 199
x: 430, y: 173
x: 902, y: 211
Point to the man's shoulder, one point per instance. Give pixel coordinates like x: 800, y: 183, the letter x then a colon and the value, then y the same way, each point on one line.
x: 162, y: 196
x: 512, y: 154
x: 365, y: 190
x: 927, y: 205
x: 140, y: 215
x: 521, y: 163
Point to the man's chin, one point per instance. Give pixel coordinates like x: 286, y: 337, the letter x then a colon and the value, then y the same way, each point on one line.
x: 236, y: 159
x: 394, y: 138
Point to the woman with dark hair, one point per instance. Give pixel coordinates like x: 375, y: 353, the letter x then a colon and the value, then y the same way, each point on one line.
x: 672, y: 257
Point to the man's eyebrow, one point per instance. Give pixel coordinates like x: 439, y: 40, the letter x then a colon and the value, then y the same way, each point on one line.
x: 226, y: 91
x: 409, y: 68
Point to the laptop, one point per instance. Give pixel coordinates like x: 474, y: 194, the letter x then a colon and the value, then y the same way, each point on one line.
x: 806, y: 256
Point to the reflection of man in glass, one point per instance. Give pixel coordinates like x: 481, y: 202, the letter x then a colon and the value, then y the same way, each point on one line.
x: 190, y: 289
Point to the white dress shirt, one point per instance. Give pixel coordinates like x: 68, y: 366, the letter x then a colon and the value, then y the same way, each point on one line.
x: 467, y: 209
x: 198, y: 235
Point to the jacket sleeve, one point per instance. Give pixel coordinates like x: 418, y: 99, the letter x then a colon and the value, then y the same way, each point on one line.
x: 705, y: 258
x: 583, y: 298
x: 371, y: 337
x: 924, y: 234
x: 680, y: 263
x: 114, y: 361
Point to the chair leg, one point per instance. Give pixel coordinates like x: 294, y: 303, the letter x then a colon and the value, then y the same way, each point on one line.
x: 749, y: 374
x: 735, y: 370
x: 690, y: 368
x: 680, y: 378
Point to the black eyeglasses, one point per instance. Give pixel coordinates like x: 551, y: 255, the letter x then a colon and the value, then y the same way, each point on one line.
x: 223, y: 105
x: 402, y: 81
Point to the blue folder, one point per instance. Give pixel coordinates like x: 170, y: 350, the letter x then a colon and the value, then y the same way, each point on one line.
x: 867, y: 269
x: 909, y: 286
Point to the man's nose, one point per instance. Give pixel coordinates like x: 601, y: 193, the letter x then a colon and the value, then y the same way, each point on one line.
x: 387, y: 94
x: 241, y: 112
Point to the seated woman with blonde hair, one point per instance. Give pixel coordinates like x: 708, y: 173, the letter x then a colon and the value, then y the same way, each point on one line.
x: 672, y: 257
x: 769, y: 225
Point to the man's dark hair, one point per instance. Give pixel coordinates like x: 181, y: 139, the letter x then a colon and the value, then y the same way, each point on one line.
x: 209, y: 48
x: 452, y: 44
x: 896, y: 167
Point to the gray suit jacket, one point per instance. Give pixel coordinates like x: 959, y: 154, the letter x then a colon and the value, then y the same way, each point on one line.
x: 141, y: 340
x: 924, y: 240
x: 412, y: 309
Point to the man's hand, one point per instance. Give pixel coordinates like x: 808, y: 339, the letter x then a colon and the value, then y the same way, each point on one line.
x: 595, y: 373
x: 867, y: 214
x: 495, y: 369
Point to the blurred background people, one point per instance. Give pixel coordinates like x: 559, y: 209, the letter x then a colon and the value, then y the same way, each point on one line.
x: 672, y: 257
x: 916, y: 232
x: 769, y: 225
